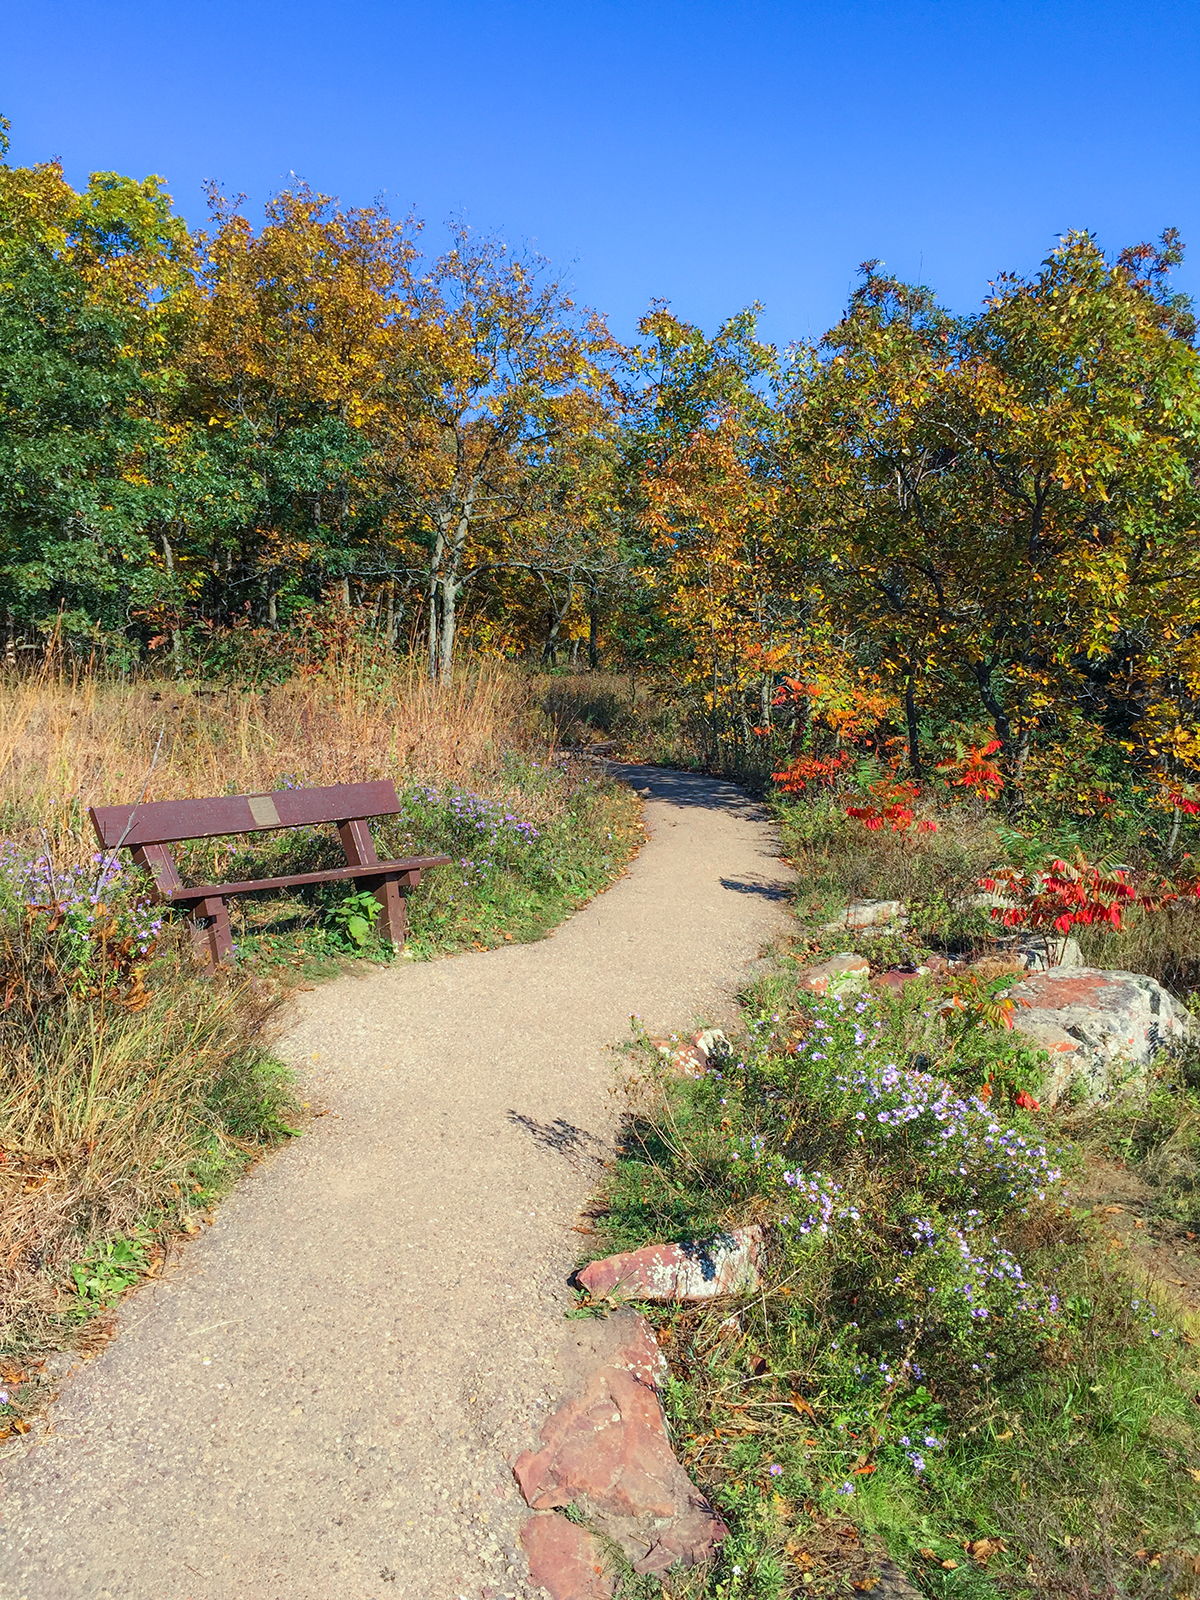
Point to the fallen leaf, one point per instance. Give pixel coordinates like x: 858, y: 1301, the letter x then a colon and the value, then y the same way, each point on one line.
x: 982, y: 1550
x: 949, y: 1565
x: 803, y: 1407
x: 930, y: 1555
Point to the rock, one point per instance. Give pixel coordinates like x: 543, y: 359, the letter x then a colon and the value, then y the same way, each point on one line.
x: 622, y: 1339
x: 565, y: 1559
x: 1039, y: 954
x: 1102, y: 1029
x: 693, y: 1057
x: 868, y: 914
x: 897, y: 978
x: 727, y: 1264
x: 892, y: 1584
x: 712, y: 1042
x: 840, y: 974
x: 606, y: 1450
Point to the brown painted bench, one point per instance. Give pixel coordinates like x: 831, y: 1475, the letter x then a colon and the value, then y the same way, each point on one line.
x: 149, y: 830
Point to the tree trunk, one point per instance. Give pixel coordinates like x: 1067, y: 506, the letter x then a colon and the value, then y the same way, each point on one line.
x: 1015, y: 746
x: 593, y: 634
x: 448, y: 596
x: 391, y: 622
x: 176, y: 639
x: 914, y: 731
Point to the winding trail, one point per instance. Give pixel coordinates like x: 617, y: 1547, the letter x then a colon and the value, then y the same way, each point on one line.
x: 321, y: 1402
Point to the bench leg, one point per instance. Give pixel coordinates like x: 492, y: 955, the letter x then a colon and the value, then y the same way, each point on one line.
x: 392, y: 921
x: 212, y: 938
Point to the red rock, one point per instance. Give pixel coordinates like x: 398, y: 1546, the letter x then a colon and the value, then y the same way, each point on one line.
x: 727, y: 1264
x: 844, y: 971
x: 565, y: 1559
x: 623, y: 1339
x: 606, y: 1449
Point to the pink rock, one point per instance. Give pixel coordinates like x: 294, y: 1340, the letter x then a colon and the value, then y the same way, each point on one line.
x: 1101, y: 1029
x: 606, y: 1449
x: 727, y: 1264
x: 843, y: 971
x: 565, y: 1559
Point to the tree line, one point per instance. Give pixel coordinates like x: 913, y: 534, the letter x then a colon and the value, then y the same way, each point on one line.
x: 921, y: 529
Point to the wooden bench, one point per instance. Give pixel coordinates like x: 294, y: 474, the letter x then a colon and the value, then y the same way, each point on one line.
x: 149, y: 831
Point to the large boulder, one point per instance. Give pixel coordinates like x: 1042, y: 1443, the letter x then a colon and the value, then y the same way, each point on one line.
x: 1101, y: 1029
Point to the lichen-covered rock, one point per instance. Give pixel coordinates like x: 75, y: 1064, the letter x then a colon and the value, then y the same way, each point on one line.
x: 840, y: 974
x: 693, y: 1057
x: 565, y: 1559
x: 868, y: 914
x: 726, y: 1264
x: 1101, y: 1029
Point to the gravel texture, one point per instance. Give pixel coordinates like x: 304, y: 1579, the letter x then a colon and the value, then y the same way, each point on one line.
x: 323, y: 1400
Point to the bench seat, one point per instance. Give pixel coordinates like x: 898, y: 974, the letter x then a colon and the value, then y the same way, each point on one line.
x: 379, y: 869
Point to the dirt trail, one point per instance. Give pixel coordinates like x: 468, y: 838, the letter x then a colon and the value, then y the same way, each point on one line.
x: 322, y: 1402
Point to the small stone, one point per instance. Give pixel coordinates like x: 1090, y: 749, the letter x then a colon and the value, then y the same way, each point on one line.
x: 703, y: 1270
x: 868, y: 914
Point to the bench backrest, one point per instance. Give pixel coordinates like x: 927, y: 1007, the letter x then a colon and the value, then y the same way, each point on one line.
x: 168, y: 821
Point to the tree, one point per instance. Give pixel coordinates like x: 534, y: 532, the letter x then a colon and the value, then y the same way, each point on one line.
x: 94, y: 290
x: 493, y: 375
x: 996, y: 493
x: 286, y: 371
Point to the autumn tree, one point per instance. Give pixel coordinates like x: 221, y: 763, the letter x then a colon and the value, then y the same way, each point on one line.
x: 704, y: 491
x: 494, y: 379
x: 996, y: 493
x: 286, y: 374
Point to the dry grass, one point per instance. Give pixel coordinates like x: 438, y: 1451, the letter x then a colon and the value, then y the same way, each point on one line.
x: 111, y: 1120
x: 69, y: 744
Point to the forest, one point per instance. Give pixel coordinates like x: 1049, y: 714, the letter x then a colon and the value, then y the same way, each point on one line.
x: 924, y: 534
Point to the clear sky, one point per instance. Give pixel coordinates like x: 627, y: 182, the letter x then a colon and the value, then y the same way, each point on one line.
x: 706, y: 153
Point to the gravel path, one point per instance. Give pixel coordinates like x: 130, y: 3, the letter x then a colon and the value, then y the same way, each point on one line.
x: 322, y: 1401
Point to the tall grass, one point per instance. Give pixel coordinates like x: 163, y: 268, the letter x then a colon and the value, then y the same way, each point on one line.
x: 70, y: 742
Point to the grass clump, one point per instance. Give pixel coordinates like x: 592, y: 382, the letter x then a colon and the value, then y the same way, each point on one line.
x: 935, y: 874
x: 132, y: 1089
x: 941, y: 1366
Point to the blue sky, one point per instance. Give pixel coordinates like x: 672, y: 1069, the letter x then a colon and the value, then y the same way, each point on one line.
x: 706, y: 153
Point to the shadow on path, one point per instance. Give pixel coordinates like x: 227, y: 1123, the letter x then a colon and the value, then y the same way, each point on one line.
x: 689, y: 789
